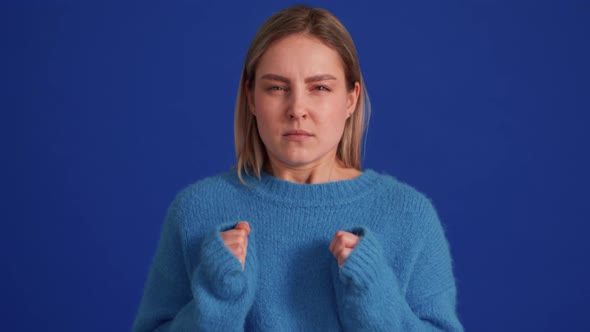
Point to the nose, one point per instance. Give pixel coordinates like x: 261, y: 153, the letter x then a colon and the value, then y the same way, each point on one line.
x: 297, y: 107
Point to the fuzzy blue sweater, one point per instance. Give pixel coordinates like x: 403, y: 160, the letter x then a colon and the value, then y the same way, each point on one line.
x: 398, y: 278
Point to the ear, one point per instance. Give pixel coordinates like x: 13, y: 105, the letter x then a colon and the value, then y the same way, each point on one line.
x: 353, y: 97
x: 250, y: 98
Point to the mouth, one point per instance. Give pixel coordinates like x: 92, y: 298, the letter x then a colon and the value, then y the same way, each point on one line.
x: 297, y: 135
x: 297, y: 132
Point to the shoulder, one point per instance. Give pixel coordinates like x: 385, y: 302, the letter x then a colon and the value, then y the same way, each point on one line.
x: 204, y: 203
x: 405, y: 201
x: 221, y: 181
x: 403, y: 194
x: 410, y: 221
x: 208, y: 191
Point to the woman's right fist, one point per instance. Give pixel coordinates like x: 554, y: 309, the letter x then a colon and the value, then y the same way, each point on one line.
x: 236, y: 240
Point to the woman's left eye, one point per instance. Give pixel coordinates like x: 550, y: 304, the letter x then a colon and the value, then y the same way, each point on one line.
x: 321, y: 88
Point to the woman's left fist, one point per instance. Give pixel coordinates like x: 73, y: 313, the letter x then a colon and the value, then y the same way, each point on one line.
x: 342, y: 245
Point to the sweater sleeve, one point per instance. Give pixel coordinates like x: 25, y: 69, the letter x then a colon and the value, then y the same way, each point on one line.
x: 215, y: 296
x: 369, y: 296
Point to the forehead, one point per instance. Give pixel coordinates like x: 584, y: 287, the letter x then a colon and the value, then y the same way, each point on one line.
x: 300, y: 55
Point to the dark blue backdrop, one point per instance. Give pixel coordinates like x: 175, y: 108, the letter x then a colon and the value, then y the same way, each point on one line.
x: 110, y: 108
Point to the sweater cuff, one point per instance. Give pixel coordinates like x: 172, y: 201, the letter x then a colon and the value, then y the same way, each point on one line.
x: 221, y: 269
x: 365, y: 264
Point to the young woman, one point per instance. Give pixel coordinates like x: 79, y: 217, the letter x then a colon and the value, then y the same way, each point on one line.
x: 298, y: 237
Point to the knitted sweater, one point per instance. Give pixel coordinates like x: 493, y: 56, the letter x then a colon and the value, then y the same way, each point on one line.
x: 398, y: 278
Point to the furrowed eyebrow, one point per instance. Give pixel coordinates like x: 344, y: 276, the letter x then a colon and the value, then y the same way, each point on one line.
x: 318, y: 78
x: 273, y: 77
x: 315, y: 78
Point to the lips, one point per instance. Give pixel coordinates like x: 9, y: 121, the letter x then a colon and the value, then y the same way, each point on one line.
x: 297, y: 132
x: 297, y: 135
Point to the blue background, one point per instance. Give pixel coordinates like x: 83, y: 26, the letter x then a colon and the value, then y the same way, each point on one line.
x: 110, y: 108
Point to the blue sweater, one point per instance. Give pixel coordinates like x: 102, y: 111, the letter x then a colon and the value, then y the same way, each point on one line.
x: 398, y: 278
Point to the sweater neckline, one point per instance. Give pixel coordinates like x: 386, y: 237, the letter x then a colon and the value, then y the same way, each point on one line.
x: 327, y: 193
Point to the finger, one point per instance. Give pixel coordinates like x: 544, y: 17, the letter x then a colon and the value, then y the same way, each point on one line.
x: 236, y: 232
x: 237, y: 243
x: 238, y: 246
x: 339, y: 247
x: 234, y: 235
x: 347, y: 239
x: 333, y: 242
x: 336, y: 239
x: 343, y: 255
x: 242, y: 256
x: 243, y: 225
x: 240, y: 250
x: 237, y: 249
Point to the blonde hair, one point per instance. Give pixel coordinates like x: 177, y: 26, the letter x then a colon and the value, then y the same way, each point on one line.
x: 316, y: 22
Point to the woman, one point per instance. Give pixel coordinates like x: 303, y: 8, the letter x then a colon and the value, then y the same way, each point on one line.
x: 298, y: 238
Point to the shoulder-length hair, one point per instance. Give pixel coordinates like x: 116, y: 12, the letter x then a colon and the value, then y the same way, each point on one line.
x: 316, y: 22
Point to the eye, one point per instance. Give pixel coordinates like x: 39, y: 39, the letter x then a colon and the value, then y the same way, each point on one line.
x: 321, y: 88
x: 276, y: 88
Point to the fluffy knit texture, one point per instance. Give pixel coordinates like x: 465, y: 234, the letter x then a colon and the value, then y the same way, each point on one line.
x: 398, y: 278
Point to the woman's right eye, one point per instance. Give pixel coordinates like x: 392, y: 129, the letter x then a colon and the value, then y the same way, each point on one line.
x: 276, y: 88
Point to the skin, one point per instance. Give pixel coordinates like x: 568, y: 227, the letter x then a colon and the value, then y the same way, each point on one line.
x: 236, y: 240
x: 342, y: 245
x: 300, y: 85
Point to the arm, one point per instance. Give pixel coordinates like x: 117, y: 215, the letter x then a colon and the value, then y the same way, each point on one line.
x: 215, y: 296
x: 370, y: 298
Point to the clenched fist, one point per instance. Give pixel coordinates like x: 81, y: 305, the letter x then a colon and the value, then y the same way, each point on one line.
x: 236, y: 240
x: 342, y: 245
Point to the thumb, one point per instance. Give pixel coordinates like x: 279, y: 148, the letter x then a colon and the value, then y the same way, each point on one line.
x: 243, y: 225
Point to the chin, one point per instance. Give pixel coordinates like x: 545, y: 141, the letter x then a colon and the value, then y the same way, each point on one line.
x: 297, y: 161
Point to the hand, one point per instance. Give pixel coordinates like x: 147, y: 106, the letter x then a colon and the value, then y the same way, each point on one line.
x: 236, y: 240
x: 342, y: 245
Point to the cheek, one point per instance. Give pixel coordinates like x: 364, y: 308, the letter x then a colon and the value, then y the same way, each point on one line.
x: 257, y: 101
x: 331, y: 126
x: 332, y: 112
x: 266, y: 117
x: 265, y: 104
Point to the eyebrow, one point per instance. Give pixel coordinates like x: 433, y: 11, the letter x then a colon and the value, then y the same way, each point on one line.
x: 315, y: 78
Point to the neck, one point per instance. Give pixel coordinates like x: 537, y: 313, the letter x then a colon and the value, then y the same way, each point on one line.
x: 328, y: 171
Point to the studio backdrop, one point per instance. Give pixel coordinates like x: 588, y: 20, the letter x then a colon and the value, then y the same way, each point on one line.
x: 113, y: 107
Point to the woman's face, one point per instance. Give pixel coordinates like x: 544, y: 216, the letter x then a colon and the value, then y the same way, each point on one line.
x: 301, y: 101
